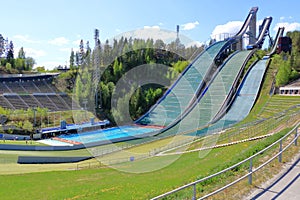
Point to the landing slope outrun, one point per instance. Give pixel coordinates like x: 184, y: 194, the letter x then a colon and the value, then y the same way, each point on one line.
x: 245, y: 98
x: 178, y: 98
x: 213, y: 99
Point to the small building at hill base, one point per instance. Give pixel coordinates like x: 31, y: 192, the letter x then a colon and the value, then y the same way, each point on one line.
x: 292, y: 89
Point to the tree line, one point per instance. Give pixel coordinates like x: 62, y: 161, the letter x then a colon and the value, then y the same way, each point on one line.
x: 11, y: 64
x: 95, y: 72
x: 288, y: 64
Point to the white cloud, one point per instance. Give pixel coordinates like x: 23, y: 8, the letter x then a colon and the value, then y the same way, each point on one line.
x: 76, y: 42
x: 151, y: 27
x: 50, y: 65
x: 258, y: 23
x: 156, y: 33
x: 226, y: 30
x: 190, y: 25
x: 67, y: 50
x: 194, y: 43
x: 150, y: 32
x: 60, y: 41
x: 25, y: 38
x: 287, y: 26
x: 285, y: 18
x: 34, y: 53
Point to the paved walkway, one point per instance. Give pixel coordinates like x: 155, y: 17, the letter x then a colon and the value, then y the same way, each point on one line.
x: 285, y: 185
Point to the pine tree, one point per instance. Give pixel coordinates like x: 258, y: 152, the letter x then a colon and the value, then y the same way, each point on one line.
x: 29, y: 63
x: 77, y: 60
x: 107, y: 53
x: 20, y: 61
x: 10, y: 54
x: 21, y: 53
x: 72, y: 59
x: 78, y: 89
x: 2, y: 45
x: 81, y: 53
x: 6, y: 46
x: 88, y: 50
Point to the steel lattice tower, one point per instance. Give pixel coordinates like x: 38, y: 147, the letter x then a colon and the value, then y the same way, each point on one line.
x: 96, y: 66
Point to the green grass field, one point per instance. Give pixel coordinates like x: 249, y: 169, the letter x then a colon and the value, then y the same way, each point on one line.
x: 108, y: 183
x: 63, y: 181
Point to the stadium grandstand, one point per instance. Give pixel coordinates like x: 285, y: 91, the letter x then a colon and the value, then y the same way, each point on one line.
x: 21, y: 91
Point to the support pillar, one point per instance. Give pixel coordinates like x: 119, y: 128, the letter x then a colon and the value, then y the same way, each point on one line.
x: 250, y: 170
x: 280, y: 149
x: 252, y: 29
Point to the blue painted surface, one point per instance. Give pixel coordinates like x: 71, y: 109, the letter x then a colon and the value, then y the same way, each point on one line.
x: 108, y: 134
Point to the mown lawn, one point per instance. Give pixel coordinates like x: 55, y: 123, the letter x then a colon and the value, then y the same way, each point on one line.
x: 108, y: 183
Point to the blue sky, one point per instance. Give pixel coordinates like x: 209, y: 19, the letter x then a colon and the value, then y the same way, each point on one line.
x: 49, y: 29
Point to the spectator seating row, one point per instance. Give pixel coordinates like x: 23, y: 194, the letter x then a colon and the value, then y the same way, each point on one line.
x: 34, y: 93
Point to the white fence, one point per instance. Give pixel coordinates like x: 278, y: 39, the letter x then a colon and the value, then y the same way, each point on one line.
x: 248, y: 175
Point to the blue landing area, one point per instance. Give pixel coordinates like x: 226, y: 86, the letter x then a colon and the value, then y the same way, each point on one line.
x: 109, y: 134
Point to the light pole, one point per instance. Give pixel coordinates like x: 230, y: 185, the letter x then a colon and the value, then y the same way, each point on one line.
x: 34, y: 116
x: 85, y: 102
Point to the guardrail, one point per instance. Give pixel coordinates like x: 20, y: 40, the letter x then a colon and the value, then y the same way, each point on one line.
x: 249, y: 174
x: 258, y: 130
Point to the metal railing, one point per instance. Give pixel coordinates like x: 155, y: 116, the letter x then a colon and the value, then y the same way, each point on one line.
x: 257, y: 130
x: 249, y: 174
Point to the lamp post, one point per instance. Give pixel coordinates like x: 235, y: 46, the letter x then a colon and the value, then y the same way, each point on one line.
x: 34, y: 116
x: 85, y: 102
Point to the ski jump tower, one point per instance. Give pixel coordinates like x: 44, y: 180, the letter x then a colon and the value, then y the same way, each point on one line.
x: 251, y: 30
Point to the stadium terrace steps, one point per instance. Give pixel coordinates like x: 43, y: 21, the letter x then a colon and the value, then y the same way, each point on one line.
x: 4, y: 103
x: 30, y: 101
x: 16, y: 101
x: 24, y: 94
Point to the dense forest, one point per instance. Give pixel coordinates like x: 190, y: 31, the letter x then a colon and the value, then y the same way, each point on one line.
x: 288, y: 64
x: 95, y: 73
x: 11, y: 64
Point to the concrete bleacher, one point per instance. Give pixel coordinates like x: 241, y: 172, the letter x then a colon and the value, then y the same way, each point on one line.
x: 23, y: 92
x: 4, y: 103
x: 59, y: 102
x: 16, y: 87
x: 3, y: 88
x: 31, y: 101
x: 30, y: 87
x: 16, y: 101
